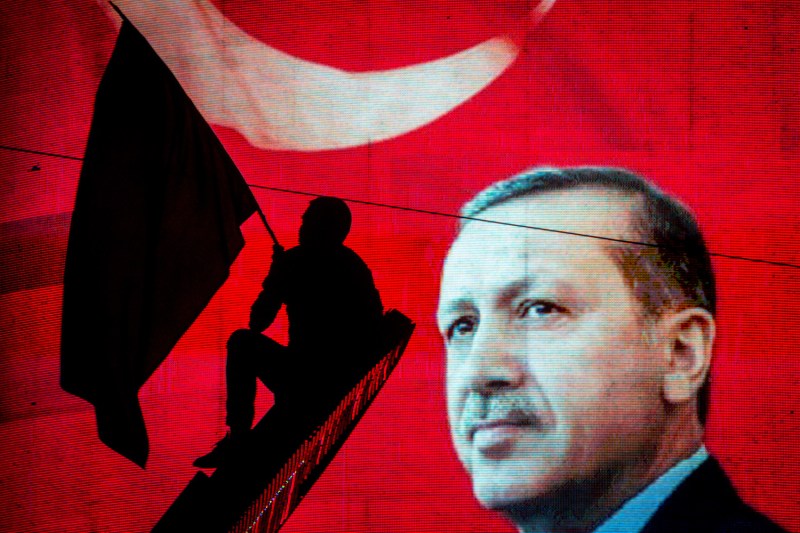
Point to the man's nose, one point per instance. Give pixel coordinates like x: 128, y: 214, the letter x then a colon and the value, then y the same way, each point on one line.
x: 495, y: 361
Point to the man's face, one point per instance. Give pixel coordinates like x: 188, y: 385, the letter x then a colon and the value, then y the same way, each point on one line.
x: 552, y: 381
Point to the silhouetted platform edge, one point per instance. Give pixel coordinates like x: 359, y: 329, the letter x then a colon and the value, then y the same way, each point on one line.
x: 287, y: 451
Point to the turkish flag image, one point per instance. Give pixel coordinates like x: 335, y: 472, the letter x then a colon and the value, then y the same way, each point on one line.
x: 404, y: 109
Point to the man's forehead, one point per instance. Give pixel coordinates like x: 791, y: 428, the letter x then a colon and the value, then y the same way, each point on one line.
x: 580, y: 218
x: 496, y: 250
x: 586, y: 210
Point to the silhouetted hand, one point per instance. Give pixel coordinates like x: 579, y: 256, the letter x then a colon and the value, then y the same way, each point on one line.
x: 277, y: 251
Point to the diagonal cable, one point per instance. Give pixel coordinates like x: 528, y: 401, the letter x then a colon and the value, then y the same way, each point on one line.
x: 450, y: 215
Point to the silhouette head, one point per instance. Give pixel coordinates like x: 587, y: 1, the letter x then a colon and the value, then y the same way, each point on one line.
x: 326, y: 222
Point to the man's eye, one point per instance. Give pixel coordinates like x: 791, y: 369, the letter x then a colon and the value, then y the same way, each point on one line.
x: 461, y: 327
x: 538, y: 308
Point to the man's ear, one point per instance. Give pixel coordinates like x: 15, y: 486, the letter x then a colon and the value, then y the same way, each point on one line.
x: 689, y: 336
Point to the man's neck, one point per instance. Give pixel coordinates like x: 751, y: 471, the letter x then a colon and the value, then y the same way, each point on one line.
x: 635, y: 513
x: 583, y: 507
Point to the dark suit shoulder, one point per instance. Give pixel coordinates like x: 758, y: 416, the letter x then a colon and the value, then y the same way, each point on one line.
x: 706, y: 502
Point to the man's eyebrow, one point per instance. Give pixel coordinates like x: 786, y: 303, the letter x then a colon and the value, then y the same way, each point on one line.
x: 514, y: 289
x: 535, y: 285
x: 463, y: 303
x: 507, y: 294
x: 455, y: 306
x: 452, y: 309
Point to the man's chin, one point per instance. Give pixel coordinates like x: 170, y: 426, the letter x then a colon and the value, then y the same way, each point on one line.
x: 524, y: 507
x: 541, y: 501
x: 498, y: 484
x: 496, y: 495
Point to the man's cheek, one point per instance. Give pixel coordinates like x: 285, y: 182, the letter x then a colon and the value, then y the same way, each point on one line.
x: 463, y: 456
x: 459, y: 439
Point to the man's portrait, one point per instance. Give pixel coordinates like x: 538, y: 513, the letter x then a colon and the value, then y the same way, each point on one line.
x: 578, y: 311
x: 606, y: 342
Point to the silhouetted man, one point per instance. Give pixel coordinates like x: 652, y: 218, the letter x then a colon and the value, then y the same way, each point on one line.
x: 334, y: 313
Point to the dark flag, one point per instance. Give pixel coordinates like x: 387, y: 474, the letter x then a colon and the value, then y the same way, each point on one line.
x: 153, y: 234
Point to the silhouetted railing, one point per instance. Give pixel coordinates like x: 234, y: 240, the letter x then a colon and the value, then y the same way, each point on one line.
x: 270, y: 510
x: 286, y: 452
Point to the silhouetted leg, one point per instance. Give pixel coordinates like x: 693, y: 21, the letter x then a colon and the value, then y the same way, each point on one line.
x: 251, y: 355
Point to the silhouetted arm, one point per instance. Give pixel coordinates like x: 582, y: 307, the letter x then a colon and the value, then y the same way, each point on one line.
x: 270, y: 300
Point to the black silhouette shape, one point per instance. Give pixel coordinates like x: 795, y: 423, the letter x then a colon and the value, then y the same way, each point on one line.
x: 334, y: 313
x: 152, y: 237
x: 341, y: 351
x: 277, y: 463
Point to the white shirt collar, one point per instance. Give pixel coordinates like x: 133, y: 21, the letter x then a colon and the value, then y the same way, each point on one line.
x: 636, y: 512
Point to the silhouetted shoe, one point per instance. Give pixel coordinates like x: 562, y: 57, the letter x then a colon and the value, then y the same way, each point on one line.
x: 221, y: 452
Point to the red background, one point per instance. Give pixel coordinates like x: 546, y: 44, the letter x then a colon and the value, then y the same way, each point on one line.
x: 702, y: 97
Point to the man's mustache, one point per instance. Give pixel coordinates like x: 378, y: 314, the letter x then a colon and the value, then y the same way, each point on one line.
x: 515, y: 408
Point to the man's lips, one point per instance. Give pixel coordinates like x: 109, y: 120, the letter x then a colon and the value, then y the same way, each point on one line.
x: 498, y: 433
x: 503, y: 423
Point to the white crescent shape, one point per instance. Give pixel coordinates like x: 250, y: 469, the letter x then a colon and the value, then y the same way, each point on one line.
x: 280, y: 102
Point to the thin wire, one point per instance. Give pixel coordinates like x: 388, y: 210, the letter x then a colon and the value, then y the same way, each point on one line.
x: 450, y: 215
x: 537, y: 228
x: 49, y: 154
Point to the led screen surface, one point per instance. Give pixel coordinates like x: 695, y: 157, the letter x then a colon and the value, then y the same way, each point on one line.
x: 405, y: 109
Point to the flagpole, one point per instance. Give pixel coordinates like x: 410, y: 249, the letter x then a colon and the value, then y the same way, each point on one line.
x: 266, y: 224
x: 258, y: 207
